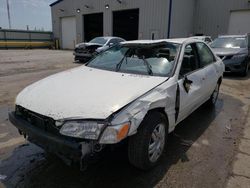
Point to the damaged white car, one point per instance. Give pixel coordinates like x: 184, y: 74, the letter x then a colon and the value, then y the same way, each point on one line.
x: 136, y: 92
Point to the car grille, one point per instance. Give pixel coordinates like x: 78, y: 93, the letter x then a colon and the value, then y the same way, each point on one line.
x: 39, y: 121
x: 82, y: 50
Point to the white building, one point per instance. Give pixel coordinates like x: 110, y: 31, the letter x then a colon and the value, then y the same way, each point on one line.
x: 75, y: 21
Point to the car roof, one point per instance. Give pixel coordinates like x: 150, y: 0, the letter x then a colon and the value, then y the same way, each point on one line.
x: 174, y: 40
x: 110, y: 37
x: 199, y: 37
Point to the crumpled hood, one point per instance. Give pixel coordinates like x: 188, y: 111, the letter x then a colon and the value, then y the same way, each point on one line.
x: 228, y: 51
x: 84, y: 92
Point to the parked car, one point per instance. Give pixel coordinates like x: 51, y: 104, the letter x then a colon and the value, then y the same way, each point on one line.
x: 137, y: 92
x: 85, y: 51
x: 206, y: 39
x: 234, y: 51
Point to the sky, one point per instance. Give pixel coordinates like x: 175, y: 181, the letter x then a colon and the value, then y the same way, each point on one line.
x: 34, y: 13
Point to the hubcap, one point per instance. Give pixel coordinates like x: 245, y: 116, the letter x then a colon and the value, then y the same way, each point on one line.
x: 157, y: 143
x: 215, y: 94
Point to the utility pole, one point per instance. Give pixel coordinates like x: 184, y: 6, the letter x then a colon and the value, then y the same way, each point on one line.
x: 8, y: 9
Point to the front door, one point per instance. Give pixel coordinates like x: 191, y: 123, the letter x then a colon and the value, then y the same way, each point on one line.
x: 191, y: 82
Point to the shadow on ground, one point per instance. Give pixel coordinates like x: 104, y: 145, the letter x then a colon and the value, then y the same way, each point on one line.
x: 28, y: 167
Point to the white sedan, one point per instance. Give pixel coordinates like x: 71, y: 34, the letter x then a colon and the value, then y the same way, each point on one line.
x: 136, y: 91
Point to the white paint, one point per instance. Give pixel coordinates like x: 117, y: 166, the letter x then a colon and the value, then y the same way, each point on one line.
x: 84, y: 93
x: 239, y: 22
x: 68, y: 25
x: 88, y: 93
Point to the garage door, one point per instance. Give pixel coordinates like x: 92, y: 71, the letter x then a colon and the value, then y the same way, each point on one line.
x: 68, y: 32
x: 93, y: 26
x: 239, y: 22
x: 126, y: 24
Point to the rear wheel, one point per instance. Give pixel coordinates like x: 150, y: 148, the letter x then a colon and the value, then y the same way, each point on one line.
x: 214, y: 97
x: 146, y: 148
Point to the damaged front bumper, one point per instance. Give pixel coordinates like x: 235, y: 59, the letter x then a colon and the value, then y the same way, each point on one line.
x: 69, y: 149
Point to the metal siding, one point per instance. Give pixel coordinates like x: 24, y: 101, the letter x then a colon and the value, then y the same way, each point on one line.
x: 153, y: 15
x: 212, y: 16
x: 239, y: 22
x: 182, y: 18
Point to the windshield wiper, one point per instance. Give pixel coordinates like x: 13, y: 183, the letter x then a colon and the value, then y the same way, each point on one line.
x: 149, y: 67
x: 118, y: 66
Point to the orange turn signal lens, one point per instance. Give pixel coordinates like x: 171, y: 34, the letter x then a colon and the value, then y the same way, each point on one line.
x: 123, y: 132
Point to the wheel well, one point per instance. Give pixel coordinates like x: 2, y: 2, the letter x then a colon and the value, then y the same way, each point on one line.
x: 220, y: 80
x: 160, y: 110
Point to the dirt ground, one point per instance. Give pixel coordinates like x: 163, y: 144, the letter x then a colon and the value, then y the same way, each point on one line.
x: 203, y: 151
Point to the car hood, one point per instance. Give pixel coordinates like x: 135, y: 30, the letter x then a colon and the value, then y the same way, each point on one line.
x: 84, y: 93
x: 228, y: 51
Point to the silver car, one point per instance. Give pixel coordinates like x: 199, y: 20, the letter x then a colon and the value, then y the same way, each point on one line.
x: 87, y: 50
x: 234, y: 51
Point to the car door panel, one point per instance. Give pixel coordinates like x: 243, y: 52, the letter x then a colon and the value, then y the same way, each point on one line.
x: 190, y: 100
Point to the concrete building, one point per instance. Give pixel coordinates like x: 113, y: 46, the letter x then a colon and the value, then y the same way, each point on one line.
x: 75, y: 21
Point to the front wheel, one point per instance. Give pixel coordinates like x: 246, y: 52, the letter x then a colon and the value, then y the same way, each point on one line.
x: 146, y: 148
x: 245, y: 71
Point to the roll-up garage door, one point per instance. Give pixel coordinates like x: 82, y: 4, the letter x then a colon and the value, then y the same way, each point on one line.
x: 239, y: 22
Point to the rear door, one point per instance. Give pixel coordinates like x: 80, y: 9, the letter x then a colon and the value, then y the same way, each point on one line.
x: 191, y: 82
x: 207, y: 63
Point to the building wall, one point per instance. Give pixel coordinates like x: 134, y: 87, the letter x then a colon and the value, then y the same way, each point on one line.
x: 212, y: 16
x: 182, y: 18
x: 153, y: 15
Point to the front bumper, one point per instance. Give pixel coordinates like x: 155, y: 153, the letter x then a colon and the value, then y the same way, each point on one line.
x: 70, y: 150
x: 236, y: 66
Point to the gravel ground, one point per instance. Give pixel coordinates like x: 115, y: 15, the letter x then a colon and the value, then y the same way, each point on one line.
x: 206, y: 150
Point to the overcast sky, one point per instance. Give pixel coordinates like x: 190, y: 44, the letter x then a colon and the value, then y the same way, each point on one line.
x: 35, y: 13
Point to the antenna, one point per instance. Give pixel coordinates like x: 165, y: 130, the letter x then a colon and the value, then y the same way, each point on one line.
x: 8, y: 9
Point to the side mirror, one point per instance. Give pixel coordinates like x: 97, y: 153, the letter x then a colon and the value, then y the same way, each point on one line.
x: 187, y: 84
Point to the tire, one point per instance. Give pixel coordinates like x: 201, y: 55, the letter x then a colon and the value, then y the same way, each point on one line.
x: 245, y: 71
x: 139, y: 153
x: 214, y: 97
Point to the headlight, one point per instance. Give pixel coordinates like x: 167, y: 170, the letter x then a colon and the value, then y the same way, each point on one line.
x: 114, y: 134
x: 239, y: 56
x: 82, y: 129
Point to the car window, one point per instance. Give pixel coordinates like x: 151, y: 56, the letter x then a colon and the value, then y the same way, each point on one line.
x: 153, y: 60
x: 189, y: 62
x: 120, y: 40
x: 229, y: 42
x: 113, y: 41
x: 206, y: 57
x: 98, y: 40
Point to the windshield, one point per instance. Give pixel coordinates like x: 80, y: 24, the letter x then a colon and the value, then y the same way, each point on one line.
x: 229, y: 42
x: 99, y: 40
x: 154, y: 60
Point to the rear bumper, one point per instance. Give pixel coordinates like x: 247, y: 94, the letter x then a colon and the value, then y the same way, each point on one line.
x: 70, y: 150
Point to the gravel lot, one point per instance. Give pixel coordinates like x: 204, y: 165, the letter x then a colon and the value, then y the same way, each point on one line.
x: 209, y: 149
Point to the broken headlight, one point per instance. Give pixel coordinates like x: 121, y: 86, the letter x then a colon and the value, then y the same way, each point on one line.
x: 82, y: 129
